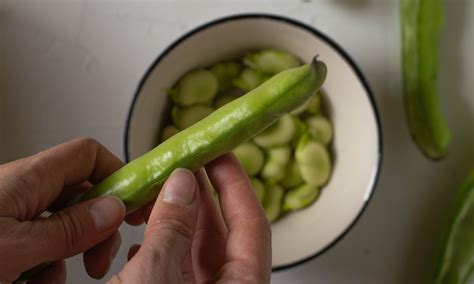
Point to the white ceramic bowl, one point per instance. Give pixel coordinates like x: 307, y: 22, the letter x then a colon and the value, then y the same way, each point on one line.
x: 357, y: 135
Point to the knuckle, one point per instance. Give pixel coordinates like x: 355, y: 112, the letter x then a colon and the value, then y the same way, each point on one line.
x: 42, y: 169
x: 249, y: 274
x: 171, y: 228
x: 30, y: 173
x: 88, y: 144
x: 245, y: 217
x: 14, y: 245
x: 12, y: 203
x: 87, y: 141
x: 19, y: 189
x: 71, y: 231
x: 153, y: 254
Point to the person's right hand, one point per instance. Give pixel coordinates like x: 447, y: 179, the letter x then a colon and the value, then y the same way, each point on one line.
x: 188, y: 240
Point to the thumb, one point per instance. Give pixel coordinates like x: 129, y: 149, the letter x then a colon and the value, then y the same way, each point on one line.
x: 77, y: 228
x: 172, y: 222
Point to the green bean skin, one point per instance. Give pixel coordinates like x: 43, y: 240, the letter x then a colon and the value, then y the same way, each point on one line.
x: 320, y: 129
x: 271, y: 61
x: 292, y: 176
x: 183, y: 117
x: 300, y: 197
x: 251, y: 157
x: 274, y: 168
x: 272, y: 201
x: 225, y: 72
x: 279, y: 134
x: 248, y: 80
x: 421, y: 23
x: 139, y: 181
x: 196, y: 87
x: 313, y: 160
x: 456, y: 261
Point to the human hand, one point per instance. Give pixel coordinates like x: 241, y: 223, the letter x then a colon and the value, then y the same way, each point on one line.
x: 188, y: 240
x: 48, y: 179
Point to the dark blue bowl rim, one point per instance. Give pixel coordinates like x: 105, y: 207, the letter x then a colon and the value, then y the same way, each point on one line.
x: 330, y: 42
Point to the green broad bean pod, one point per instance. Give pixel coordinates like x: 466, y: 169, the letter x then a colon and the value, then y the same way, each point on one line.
x: 456, y: 259
x: 421, y: 24
x: 139, y: 181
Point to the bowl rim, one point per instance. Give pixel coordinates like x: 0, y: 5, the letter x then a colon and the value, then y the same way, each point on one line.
x: 315, y: 32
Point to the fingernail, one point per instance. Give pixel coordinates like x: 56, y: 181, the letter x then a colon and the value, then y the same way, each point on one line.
x: 180, y: 187
x: 106, y: 212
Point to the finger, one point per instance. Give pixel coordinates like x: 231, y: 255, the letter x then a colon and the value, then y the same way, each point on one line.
x: 55, y: 273
x: 132, y: 251
x: 67, y: 194
x: 38, y: 180
x: 187, y: 270
x: 209, y: 242
x: 140, y: 216
x: 91, y: 160
x: 249, y: 231
x: 169, y: 233
x: 72, y: 230
x: 147, y: 209
x: 209, y: 211
x: 135, y: 218
x: 98, y: 259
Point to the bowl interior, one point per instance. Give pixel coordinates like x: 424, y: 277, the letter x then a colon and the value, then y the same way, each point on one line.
x: 300, y: 235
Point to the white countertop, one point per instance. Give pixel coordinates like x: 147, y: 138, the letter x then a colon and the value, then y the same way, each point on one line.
x: 70, y: 68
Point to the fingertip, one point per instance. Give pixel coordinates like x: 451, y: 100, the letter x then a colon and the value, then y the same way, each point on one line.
x: 224, y: 159
x: 173, y: 218
x: 179, y: 195
x: 226, y: 167
x: 236, y: 196
x: 225, y: 172
x: 119, y: 203
x: 180, y: 188
x: 98, y: 259
x: 203, y: 182
x: 107, y: 213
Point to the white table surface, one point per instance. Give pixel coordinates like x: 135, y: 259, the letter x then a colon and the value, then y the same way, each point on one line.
x: 70, y: 68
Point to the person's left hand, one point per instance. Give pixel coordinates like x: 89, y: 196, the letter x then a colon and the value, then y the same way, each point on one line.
x: 32, y: 185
